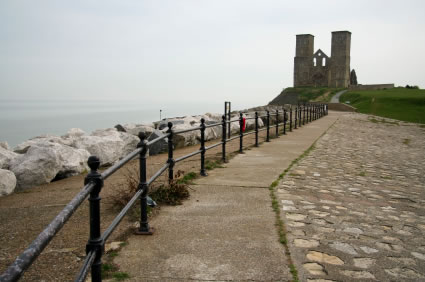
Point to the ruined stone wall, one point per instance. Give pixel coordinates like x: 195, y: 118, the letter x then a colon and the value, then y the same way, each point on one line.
x: 318, y: 69
x: 371, y: 86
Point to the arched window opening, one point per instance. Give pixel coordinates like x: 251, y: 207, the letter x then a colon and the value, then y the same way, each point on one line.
x: 314, y: 61
x: 324, y: 61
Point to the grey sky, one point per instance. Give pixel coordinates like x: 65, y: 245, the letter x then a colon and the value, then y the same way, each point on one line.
x: 187, y: 50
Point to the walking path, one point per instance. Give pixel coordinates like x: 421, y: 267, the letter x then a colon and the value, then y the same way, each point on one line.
x: 335, y: 98
x: 226, y: 230
x: 354, y: 207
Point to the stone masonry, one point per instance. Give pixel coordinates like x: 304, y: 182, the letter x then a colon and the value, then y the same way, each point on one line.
x: 319, y: 70
x: 354, y: 207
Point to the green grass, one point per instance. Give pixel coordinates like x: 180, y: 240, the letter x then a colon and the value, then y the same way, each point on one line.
x: 396, y: 103
x: 187, y: 178
x: 281, y: 230
x: 119, y: 276
x: 209, y: 165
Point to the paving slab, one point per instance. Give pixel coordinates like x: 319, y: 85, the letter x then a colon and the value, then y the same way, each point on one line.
x: 226, y: 230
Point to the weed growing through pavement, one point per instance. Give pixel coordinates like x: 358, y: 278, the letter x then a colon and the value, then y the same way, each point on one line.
x: 209, y: 165
x: 279, y: 222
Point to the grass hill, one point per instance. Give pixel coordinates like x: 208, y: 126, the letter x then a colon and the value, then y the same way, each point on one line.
x: 397, y: 103
x: 294, y: 95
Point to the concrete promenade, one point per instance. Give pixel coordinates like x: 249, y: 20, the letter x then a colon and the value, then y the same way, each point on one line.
x: 226, y: 230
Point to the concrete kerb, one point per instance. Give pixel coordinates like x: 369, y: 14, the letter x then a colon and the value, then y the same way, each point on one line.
x: 224, y: 231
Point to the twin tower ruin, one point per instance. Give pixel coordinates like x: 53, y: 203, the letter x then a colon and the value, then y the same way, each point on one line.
x: 319, y: 70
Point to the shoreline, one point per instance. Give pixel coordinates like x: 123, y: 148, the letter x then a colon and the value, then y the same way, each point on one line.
x: 49, y: 157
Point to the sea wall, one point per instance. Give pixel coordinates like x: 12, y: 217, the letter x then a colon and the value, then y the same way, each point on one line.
x: 47, y: 158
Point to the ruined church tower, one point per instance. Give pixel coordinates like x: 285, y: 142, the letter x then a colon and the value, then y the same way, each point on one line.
x: 340, y: 56
x: 319, y: 70
x: 303, y: 61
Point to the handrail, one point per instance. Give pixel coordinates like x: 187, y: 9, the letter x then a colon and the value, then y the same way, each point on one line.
x: 88, y: 262
x: 153, y: 141
x: 121, y: 163
x: 158, y: 173
x: 249, y: 133
x: 94, y: 183
x: 213, y: 146
x: 188, y: 156
x: 187, y: 130
x: 213, y: 125
x: 27, y: 257
x: 108, y: 231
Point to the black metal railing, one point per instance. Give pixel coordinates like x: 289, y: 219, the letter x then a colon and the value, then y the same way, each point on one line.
x: 94, y: 181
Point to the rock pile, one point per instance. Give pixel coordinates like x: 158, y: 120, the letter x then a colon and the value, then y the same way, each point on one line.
x: 47, y: 158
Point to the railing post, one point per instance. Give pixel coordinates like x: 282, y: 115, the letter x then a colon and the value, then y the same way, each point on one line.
x: 170, y: 152
x: 144, y: 228
x: 300, y: 115
x: 95, y: 242
x: 223, y: 138
x: 304, y: 114
x: 240, y: 133
x: 229, y: 129
x: 290, y: 118
x: 256, y: 129
x: 317, y: 111
x: 268, y: 127
x: 203, y: 172
x: 284, y: 121
x: 277, y: 123
x: 296, y: 117
x: 309, y: 113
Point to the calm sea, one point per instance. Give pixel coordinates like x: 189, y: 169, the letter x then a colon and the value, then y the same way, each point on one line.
x: 21, y: 120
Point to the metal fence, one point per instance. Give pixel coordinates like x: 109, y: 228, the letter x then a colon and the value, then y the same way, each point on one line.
x: 93, y: 183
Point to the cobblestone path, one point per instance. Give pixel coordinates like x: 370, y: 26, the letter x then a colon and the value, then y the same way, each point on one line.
x: 354, y: 207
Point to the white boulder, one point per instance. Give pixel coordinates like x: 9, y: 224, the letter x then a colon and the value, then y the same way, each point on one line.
x: 134, y: 129
x: 4, y: 145
x: 109, y: 145
x: 74, y: 133
x: 130, y: 143
x: 192, y: 137
x: 45, y: 161
x: 39, y: 165
x: 24, y: 146
x: 73, y: 161
x: 5, y: 157
x: 7, y: 182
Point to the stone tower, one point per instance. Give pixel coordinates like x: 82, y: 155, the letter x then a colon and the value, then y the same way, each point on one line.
x: 319, y: 70
x: 340, y: 54
x: 303, y: 61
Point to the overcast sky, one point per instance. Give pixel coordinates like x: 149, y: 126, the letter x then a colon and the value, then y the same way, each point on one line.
x: 195, y: 50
